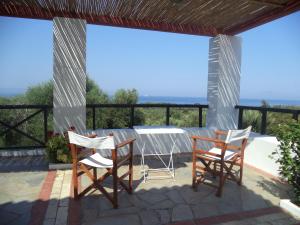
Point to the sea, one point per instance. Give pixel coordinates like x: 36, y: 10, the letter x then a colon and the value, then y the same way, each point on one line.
x: 198, y: 100
x: 203, y: 100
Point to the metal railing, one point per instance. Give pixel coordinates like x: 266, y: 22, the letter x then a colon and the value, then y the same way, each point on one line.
x: 39, y: 109
x: 35, y: 110
x: 264, y: 113
x: 44, y: 109
x: 132, y: 108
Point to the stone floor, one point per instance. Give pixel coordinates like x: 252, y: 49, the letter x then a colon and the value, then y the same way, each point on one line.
x: 155, y: 202
x: 19, y: 191
x: 170, y: 201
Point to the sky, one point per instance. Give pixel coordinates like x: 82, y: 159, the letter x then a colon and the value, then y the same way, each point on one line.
x: 154, y: 63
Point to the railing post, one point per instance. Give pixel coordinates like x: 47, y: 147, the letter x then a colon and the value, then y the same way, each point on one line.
x: 46, y: 124
x: 131, y: 116
x: 94, y: 117
x: 295, y: 116
x: 200, y: 116
x: 168, y: 116
x: 240, y: 122
x: 263, y: 121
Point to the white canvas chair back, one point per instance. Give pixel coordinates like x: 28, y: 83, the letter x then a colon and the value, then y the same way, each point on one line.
x: 97, y: 142
x: 236, y: 135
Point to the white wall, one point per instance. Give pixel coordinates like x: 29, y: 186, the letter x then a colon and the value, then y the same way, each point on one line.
x: 259, y: 153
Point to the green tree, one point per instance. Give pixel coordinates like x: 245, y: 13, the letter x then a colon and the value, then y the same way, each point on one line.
x: 94, y: 95
x: 120, y: 117
x: 41, y: 94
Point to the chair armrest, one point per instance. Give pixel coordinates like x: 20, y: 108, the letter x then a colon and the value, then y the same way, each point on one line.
x: 221, y: 132
x: 122, y: 144
x: 208, y: 139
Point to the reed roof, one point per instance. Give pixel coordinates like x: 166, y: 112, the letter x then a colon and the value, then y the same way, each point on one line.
x: 198, y: 17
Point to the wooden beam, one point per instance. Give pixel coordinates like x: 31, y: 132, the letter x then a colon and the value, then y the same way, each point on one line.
x: 48, y: 14
x: 290, y: 7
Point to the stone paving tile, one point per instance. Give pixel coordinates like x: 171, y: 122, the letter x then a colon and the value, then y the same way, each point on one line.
x: 18, y: 192
x: 120, y: 220
x: 164, y: 215
x: 62, y: 216
x: 175, y: 196
x: 165, y: 204
x: 49, y: 222
x: 205, y: 210
x: 182, y: 212
x: 149, y: 217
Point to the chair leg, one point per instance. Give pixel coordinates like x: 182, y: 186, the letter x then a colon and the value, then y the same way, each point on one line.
x: 130, y: 167
x: 95, y: 173
x: 241, y: 175
x: 215, y: 170
x: 75, y: 182
x: 221, y: 180
x: 115, y: 188
x: 115, y: 179
x: 194, y: 185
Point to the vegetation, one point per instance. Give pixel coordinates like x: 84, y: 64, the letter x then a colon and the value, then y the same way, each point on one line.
x: 289, y: 155
x: 42, y: 94
x: 57, y: 150
x: 253, y: 118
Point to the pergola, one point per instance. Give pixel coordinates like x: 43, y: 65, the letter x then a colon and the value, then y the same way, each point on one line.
x: 220, y: 19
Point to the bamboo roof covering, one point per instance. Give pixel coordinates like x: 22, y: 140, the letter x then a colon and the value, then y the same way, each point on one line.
x: 198, y: 17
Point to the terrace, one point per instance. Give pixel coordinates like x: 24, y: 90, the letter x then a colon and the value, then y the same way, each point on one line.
x: 43, y: 197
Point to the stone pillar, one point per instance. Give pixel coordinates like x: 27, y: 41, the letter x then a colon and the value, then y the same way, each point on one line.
x: 223, y: 91
x: 69, y: 74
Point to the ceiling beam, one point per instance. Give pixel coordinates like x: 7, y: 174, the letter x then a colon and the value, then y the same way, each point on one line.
x: 48, y: 14
x: 290, y: 7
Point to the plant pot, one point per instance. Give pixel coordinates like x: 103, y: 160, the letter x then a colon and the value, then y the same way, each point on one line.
x: 290, y: 207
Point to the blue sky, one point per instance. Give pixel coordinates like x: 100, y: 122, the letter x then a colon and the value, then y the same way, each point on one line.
x: 155, y: 63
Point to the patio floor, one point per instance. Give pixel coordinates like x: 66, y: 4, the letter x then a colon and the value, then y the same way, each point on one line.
x: 154, y: 202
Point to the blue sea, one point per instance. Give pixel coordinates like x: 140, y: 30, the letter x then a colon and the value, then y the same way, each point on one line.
x: 202, y: 100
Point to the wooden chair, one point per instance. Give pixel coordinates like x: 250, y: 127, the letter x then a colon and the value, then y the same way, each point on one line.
x: 83, y: 165
x: 220, y: 159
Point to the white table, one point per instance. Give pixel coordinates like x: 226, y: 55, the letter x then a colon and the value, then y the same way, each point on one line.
x: 151, y: 131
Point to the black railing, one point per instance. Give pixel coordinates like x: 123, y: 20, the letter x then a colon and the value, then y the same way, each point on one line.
x: 264, y: 113
x: 132, y: 108
x: 8, y: 127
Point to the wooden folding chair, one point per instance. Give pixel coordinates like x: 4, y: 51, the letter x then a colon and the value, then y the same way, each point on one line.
x: 84, y: 165
x: 220, y: 159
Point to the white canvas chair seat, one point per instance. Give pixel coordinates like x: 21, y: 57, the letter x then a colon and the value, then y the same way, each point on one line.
x: 229, y: 154
x: 96, y: 160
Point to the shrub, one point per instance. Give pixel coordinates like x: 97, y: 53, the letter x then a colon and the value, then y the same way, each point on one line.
x: 289, y: 155
x: 57, y: 150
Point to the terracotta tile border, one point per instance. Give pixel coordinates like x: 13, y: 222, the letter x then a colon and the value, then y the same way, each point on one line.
x: 74, y: 207
x: 230, y: 217
x: 40, y: 206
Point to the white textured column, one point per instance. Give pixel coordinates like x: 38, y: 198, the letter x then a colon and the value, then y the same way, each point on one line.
x: 69, y: 69
x: 223, y: 91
